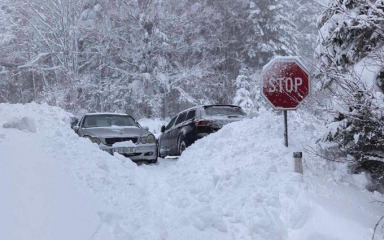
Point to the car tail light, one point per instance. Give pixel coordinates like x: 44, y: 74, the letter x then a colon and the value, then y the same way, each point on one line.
x: 203, y: 123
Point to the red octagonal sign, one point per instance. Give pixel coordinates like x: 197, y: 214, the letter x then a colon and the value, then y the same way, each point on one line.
x: 285, y: 83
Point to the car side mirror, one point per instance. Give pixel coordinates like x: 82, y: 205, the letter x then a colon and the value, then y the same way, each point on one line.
x: 76, y: 129
x: 162, y: 128
x: 146, y: 128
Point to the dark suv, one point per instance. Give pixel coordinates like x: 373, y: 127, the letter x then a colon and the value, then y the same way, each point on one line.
x: 194, y: 123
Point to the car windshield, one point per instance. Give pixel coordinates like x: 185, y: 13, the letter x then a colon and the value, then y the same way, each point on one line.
x: 91, y: 121
x: 224, y: 111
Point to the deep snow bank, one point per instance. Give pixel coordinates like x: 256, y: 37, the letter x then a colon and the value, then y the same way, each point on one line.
x: 242, y: 181
x: 44, y: 169
x: 243, y: 175
x: 75, y: 188
x: 235, y: 184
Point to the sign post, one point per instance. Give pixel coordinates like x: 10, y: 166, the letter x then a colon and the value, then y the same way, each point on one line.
x: 285, y: 128
x: 286, y: 84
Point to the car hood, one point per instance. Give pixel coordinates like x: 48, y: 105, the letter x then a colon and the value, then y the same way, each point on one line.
x: 111, y: 132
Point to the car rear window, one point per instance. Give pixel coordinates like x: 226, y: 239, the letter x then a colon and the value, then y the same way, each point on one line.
x: 224, y: 111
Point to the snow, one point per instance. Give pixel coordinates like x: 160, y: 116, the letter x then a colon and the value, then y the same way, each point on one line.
x: 334, y: 127
x: 237, y: 183
x: 124, y: 144
x: 38, y: 200
x: 154, y: 125
x: 26, y: 124
x: 275, y: 59
x: 368, y: 68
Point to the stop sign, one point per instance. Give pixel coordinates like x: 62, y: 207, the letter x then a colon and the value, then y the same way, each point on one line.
x: 285, y: 83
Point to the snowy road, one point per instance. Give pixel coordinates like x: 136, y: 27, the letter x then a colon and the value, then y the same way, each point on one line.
x: 235, y: 184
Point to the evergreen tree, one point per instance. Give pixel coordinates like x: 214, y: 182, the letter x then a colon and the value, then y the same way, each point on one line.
x: 351, y: 33
x: 274, y: 30
x: 242, y: 97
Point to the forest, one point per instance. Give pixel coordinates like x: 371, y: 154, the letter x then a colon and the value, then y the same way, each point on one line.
x: 150, y: 58
x: 154, y: 58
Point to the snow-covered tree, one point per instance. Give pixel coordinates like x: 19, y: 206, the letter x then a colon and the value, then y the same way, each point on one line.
x: 243, y: 95
x: 150, y: 58
x: 349, y: 31
x: 274, y: 30
x: 305, y: 15
x: 351, y: 49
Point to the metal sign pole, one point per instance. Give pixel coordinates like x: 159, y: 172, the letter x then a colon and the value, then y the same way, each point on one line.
x: 285, y: 128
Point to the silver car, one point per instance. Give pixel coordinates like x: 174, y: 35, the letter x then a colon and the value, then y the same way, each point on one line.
x: 119, y: 133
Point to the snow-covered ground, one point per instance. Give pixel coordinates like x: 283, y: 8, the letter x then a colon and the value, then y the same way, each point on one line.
x: 235, y: 184
x: 154, y: 125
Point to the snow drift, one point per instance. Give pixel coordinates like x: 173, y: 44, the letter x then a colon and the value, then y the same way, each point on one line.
x: 235, y: 184
x: 25, y: 124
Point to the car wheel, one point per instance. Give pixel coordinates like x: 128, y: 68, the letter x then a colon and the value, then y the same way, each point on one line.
x: 153, y: 161
x: 159, y: 152
x: 181, y: 146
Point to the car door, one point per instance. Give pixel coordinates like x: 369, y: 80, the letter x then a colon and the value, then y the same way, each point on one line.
x: 175, y: 132
x: 164, y: 139
x: 78, y: 127
x: 189, y: 127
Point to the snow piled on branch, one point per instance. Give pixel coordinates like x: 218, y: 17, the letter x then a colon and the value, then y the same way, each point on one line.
x: 235, y: 184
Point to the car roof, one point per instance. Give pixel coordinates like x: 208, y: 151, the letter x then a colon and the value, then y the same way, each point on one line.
x: 221, y: 105
x: 205, y: 106
x: 210, y: 105
x: 106, y: 113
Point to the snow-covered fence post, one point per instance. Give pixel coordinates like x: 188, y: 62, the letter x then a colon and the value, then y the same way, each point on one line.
x: 298, y: 157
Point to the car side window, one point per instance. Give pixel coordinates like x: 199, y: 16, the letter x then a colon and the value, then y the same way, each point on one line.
x: 170, y: 124
x: 191, y: 114
x: 80, y: 124
x: 181, y: 118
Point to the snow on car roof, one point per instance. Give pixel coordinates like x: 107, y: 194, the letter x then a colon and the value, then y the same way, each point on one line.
x: 209, y: 105
x: 106, y: 113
